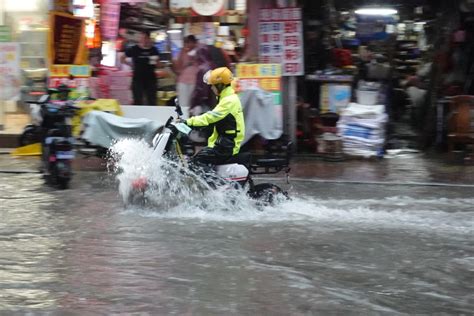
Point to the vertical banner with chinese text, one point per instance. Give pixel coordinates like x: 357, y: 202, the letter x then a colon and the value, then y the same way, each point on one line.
x: 281, y: 39
x: 109, y: 19
x: 9, y: 71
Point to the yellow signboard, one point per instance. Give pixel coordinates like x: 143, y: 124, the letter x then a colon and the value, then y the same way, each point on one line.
x: 260, y: 76
x: 258, y: 70
x: 78, y: 71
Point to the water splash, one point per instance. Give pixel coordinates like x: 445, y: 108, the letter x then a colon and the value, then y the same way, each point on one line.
x: 178, y: 193
x: 172, y: 186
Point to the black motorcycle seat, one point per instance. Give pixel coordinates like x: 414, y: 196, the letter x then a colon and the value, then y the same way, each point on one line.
x: 241, y: 158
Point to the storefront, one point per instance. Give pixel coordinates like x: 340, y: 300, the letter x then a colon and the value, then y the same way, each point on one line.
x: 359, y: 62
x: 23, y: 57
x: 215, y: 23
x: 387, y: 60
x: 42, y: 44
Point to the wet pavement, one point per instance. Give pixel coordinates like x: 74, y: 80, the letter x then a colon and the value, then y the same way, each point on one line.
x: 358, y: 237
x: 410, y: 168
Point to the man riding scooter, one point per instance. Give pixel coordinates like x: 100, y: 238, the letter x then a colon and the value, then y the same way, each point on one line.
x: 226, y: 117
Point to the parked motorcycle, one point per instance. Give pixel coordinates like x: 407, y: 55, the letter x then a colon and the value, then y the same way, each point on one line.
x: 170, y: 142
x: 32, y: 132
x: 55, y: 134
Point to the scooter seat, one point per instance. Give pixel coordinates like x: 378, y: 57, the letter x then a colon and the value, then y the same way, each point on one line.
x: 240, y: 158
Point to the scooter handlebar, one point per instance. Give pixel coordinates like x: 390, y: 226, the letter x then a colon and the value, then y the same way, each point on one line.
x: 168, y: 122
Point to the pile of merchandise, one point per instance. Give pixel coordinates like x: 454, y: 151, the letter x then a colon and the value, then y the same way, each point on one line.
x: 362, y: 129
x: 113, y: 84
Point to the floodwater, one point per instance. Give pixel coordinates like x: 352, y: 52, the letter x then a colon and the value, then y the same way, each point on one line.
x: 332, y: 249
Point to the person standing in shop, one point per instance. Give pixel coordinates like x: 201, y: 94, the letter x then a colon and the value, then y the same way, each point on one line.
x: 144, y: 62
x: 186, y: 68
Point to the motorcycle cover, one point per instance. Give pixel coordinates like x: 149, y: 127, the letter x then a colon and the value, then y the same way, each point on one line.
x: 105, y: 105
x: 102, y: 129
x: 261, y: 114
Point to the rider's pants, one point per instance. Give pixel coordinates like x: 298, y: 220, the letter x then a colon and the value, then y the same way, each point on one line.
x: 212, y: 156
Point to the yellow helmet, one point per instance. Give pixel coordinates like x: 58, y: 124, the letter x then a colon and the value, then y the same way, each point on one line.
x: 218, y: 75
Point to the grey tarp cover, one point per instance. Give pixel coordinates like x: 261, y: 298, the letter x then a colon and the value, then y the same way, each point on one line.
x: 262, y: 116
x: 102, y: 129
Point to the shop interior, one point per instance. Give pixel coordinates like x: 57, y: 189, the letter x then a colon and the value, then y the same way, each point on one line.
x: 168, y: 30
x: 410, y: 57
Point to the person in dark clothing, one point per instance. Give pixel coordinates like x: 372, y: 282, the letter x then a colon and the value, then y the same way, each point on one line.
x: 144, y: 62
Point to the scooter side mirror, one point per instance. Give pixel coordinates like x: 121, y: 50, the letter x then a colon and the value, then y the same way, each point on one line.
x: 168, y: 122
x: 179, y: 111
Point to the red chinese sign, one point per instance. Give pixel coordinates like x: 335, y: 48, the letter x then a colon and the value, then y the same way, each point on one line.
x: 110, y: 16
x: 281, y: 39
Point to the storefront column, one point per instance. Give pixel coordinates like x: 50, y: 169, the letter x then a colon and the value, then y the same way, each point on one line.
x: 289, y: 91
x: 292, y: 114
x: 290, y: 105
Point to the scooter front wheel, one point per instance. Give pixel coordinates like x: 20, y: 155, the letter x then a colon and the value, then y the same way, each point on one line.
x: 267, y: 193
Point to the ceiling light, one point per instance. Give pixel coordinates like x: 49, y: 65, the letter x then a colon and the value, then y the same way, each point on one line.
x: 376, y: 11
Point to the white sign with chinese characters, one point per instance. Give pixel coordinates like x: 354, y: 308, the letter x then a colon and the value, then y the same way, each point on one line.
x: 9, y: 71
x: 281, y: 39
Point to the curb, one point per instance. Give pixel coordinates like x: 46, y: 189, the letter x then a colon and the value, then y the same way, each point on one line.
x: 19, y: 171
x: 421, y: 184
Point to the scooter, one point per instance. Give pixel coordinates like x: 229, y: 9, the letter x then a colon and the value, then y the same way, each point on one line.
x: 236, y: 172
x: 57, y: 143
x: 32, y: 132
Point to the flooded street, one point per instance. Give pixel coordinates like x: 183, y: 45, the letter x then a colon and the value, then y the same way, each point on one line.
x: 334, y: 247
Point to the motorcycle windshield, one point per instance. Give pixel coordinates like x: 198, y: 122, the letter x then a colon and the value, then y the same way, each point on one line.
x: 183, y: 128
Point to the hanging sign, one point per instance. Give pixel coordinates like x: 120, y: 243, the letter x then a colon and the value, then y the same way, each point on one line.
x: 208, y: 7
x: 109, y: 21
x: 67, y: 39
x: 281, y: 39
x: 371, y: 28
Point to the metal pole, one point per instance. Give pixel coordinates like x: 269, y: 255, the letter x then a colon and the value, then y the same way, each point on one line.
x: 292, y: 113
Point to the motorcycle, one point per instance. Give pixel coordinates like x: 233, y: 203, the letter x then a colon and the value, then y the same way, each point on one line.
x: 55, y: 134
x: 32, y: 132
x: 172, y: 143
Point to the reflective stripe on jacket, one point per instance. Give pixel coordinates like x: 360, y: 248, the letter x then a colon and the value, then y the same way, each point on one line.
x: 228, y: 120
